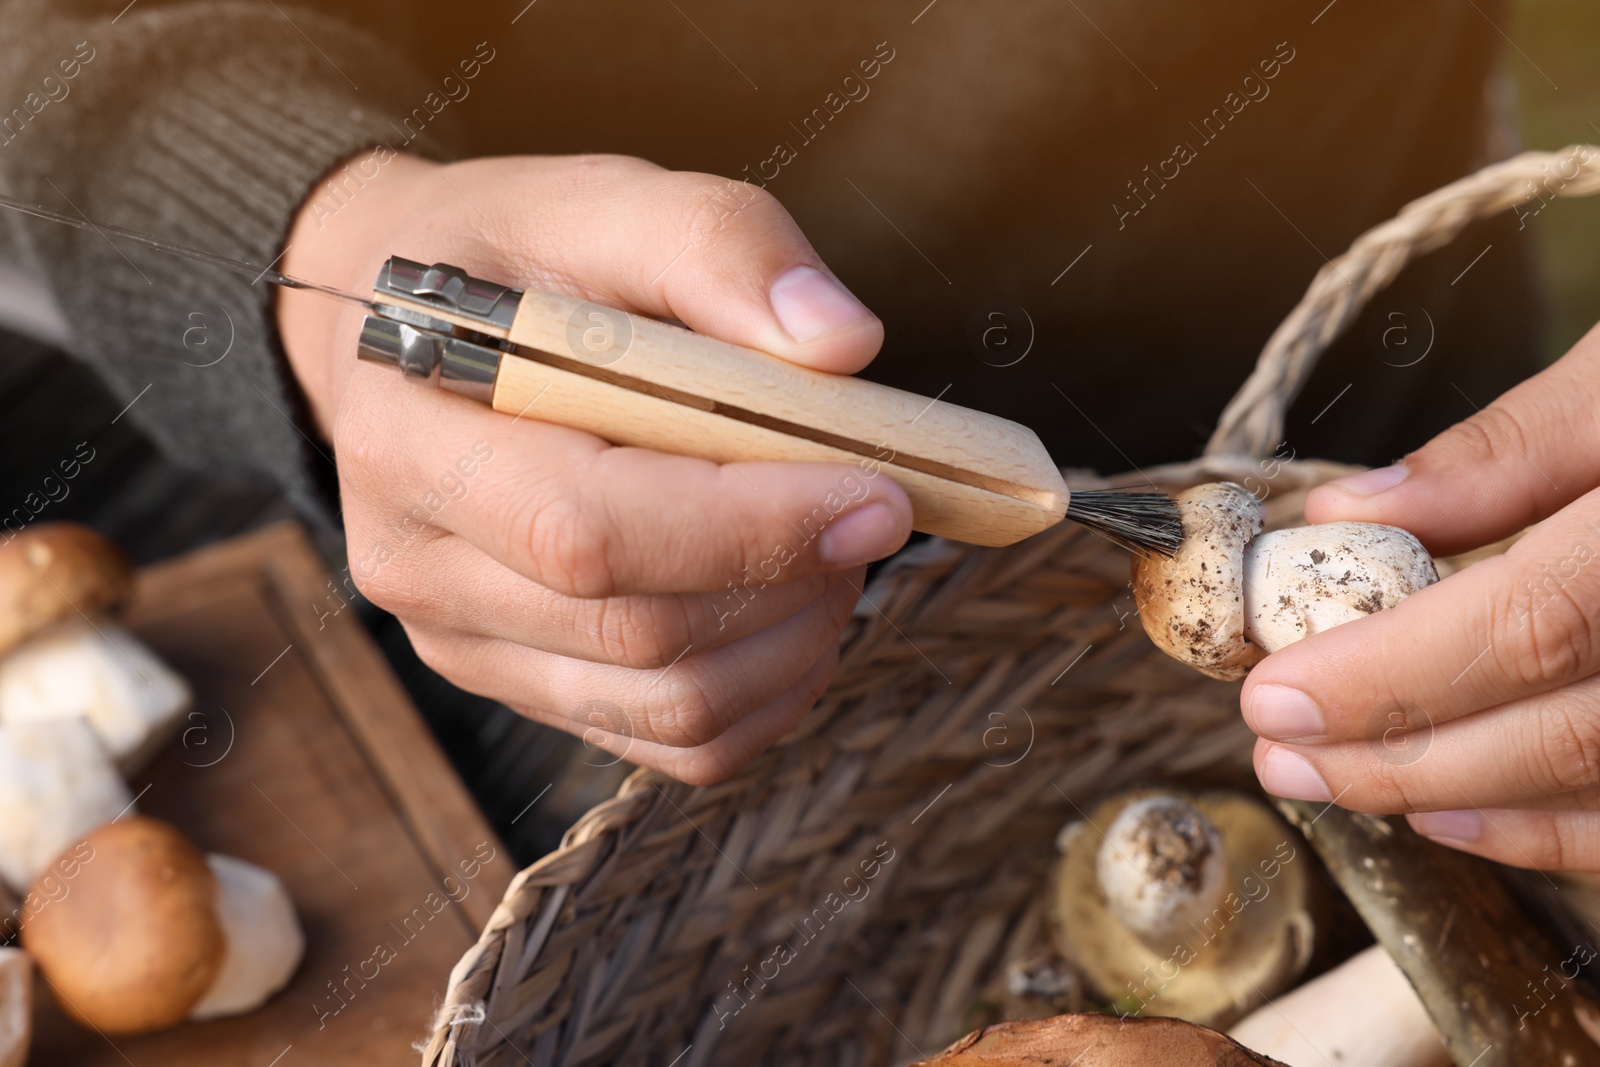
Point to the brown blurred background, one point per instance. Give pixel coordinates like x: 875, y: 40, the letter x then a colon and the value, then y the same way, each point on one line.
x: 1558, y: 103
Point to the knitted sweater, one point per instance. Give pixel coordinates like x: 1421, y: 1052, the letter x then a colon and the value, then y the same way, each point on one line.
x: 1139, y: 192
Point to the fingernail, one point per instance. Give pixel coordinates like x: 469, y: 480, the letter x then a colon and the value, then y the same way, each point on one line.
x: 860, y: 536
x: 810, y: 304
x: 1282, y: 713
x: 1287, y: 774
x: 1463, y: 826
x: 1373, y: 482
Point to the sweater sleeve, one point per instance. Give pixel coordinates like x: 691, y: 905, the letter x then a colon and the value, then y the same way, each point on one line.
x: 206, y: 123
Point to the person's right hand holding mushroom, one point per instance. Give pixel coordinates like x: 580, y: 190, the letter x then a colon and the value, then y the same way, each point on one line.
x: 1473, y: 706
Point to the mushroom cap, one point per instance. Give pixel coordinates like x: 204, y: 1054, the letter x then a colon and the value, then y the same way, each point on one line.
x: 1251, y: 943
x: 1309, y: 579
x: 1096, y: 1040
x: 56, y: 784
x: 137, y: 942
x: 1162, y: 865
x: 16, y: 1007
x: 53, y: 571
x: 1192, y: 603
x: 263, y: 936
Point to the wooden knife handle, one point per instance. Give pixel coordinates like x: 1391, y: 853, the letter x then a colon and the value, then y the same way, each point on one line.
x: 971, y: 477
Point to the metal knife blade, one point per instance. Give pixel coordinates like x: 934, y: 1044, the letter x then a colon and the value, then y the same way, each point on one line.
x: 171, y: 248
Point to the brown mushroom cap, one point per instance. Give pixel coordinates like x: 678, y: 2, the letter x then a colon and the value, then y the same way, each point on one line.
x: 1192, y: 603
x: 52, y: 571
x: 136, y: 943
x: 1097, y: 1041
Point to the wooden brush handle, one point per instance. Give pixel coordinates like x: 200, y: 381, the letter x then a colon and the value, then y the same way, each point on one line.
x: 634, y: 381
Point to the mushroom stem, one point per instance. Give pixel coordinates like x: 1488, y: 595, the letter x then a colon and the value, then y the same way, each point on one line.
x: 102, y: 672
x: 1302, y: 581
x: 56, y: 785
x: 1361, y: 1012
x: 1162, y: 866
x: 262, y: 934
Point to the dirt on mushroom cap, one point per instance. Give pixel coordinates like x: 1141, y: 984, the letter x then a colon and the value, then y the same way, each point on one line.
x: 1192, y: 603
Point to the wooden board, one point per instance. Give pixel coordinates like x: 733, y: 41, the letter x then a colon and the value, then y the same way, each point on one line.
x: 304, y: 755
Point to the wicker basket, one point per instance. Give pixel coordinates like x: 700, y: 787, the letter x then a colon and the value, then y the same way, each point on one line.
x: 844, y: 899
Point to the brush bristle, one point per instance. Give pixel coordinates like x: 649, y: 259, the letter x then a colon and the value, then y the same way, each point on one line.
x: 1139, y: 522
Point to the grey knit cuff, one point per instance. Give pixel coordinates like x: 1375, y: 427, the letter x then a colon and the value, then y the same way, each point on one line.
x: 208, y: 125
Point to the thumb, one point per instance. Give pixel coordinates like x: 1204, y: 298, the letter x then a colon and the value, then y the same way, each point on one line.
x: 1515, y: 462
x: 722, y: 257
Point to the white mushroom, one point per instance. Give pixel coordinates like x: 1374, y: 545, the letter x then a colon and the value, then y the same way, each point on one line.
x: 102, y: 672
x: 152, y: 933
x: 1361, y: 1012
x: 56, y: 784
x: 1309, y: 579
x: 263, y: 938
x: 1231, y: 594
x: 16, y: 1007
x: 1193, y: 906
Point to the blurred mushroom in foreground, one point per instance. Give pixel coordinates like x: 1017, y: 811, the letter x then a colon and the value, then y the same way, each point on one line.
x: 63, y: 655
x: 1192, y: 907
x: 152, y: 933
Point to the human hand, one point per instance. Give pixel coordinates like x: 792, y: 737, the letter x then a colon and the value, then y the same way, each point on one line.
x: 681, y: 613
x: 1474, y: 705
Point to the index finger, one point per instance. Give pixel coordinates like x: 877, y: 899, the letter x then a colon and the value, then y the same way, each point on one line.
x: 1507, y: 627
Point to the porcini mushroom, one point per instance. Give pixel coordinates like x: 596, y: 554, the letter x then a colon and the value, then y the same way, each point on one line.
x: 16, y: 1007
x: 60, y: 653
x: 58, y: 570
x: 137, y: 942
x: 1190, y: 906
x: 99, y: 671
x: 1232, y: 594
x: 56, y: 784
x: 153, y: 933
x: 1364, y: 1011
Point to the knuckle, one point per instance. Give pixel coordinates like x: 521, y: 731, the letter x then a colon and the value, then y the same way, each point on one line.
x: 569, y: 547
x: 584, y: 170
x: 1545, y: 631
x: 714, y: 205
x: 1566, y: 749
x: 361, y: 445
x: 383, y: 577
x: 1553, y: 844
x: 1491, y: 434
x: 687, y: 715
x: 436, y: 652
x: 645, y: 633
x: 1382, y: 788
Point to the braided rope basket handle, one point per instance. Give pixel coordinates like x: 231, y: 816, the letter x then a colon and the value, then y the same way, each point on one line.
x: 1252, y: 423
